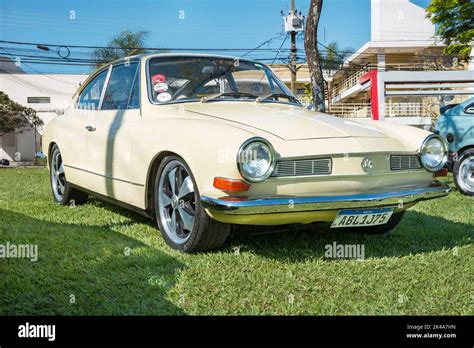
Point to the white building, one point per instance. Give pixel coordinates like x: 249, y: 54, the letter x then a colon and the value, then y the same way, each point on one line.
x: 401, y: 74
x: 48, y: 94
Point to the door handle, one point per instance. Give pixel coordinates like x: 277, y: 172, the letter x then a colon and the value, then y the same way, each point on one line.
x: 90, y: 128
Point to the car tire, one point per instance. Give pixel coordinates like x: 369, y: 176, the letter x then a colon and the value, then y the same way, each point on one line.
x: 62, y: 191
x: 379, y: 229
x: 463, y: 172
x: 182, y: 220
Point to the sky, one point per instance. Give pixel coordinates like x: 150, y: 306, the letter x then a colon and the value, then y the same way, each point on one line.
x: 214, y: 24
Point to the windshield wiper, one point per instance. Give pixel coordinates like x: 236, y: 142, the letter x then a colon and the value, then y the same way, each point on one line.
x: 228, y: 94
x: 276, y: 96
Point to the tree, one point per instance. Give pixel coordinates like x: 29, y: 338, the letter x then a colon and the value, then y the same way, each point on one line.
x: 127, y: 43
x: 14, y: 116
x: 333, y: 57
x: 312, y: 55
x: 455, y: 21
x: 429, y: 58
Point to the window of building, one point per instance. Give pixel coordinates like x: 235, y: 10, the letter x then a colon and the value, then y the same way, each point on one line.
x: 38, y: 100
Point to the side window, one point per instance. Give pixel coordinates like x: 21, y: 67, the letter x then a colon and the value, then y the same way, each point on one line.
x: 134, y: 102
x: 90, y: 95
x: 119, y: 87
x: 469, y: 109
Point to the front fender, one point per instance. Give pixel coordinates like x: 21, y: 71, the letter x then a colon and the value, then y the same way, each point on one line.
x: 209, y: 148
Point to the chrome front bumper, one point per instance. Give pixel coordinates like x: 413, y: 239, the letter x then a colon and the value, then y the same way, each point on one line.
x: 287, y: 204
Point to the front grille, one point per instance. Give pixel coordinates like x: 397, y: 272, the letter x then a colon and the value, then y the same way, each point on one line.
x: 404, y: 162
x: 301, y: 167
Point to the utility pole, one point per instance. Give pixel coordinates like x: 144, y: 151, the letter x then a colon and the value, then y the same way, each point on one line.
x: 294, y: 23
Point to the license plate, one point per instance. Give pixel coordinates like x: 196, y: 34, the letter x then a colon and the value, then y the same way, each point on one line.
x: 362, y: 217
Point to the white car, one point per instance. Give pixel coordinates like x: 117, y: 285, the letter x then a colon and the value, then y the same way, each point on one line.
x: 202, y: 142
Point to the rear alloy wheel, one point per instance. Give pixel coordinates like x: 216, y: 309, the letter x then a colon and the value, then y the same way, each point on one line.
x: 62, y: 191
x: 182, y: 220
x: 464, y: 173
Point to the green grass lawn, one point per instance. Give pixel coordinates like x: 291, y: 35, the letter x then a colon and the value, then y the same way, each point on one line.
x: 424, y: 267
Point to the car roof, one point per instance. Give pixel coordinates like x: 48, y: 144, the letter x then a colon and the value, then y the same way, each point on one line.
x: 183, y: 54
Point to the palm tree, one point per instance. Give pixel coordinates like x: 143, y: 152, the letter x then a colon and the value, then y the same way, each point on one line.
x: 127, y: 43
x: 333, y: 57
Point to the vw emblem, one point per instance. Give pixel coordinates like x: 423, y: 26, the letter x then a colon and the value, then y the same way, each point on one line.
x: 367, y: 164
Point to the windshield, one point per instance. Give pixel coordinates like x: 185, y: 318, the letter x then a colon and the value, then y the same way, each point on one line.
x: 181, y: 79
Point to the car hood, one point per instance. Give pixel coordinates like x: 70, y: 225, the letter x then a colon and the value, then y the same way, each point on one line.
x: 285, y: 121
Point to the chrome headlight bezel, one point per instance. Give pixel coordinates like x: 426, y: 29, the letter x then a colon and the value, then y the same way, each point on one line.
x: 444, y: 156
x: 272, y: 159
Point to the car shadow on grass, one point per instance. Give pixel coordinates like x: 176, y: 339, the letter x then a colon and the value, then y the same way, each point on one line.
x: 83, y: 270
x: 417, y: 233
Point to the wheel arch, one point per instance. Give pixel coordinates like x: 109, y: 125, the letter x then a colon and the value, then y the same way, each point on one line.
x: 48, y: 154
x: 465, y: 148
x: 461, y: 184
x: 151, y: 176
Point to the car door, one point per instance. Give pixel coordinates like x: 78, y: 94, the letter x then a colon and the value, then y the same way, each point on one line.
x: 110, y: 137
x: 74, y: 128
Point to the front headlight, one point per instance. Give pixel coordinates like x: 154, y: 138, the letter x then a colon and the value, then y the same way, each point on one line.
x: 256, y: 159
x: 433, y: 153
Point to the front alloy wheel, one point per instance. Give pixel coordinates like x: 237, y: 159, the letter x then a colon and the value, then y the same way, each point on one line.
x: 183, y: 222
x: 177, y: 202
x: 464, y: 173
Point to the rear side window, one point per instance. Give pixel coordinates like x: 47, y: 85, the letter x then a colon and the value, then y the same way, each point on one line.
x: 134, y: 102
x: 90, y: 96
x: 469, y: 109
x: 119, y: 87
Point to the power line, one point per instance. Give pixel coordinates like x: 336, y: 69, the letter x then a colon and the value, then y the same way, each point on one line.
x: 39, y: 72
x: 95, y: 20
x: 76, y: 26
x: 49, y: 62
x: 28, y: 84
x: 339, y: 55
x: 29, y: 56
x: 87, y: 22
x: 279, y: 50
x: 263, y: 43
x: 246, y: 50
x: 49, y: 58
x: 129, y: 48
x: 35, y: 15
